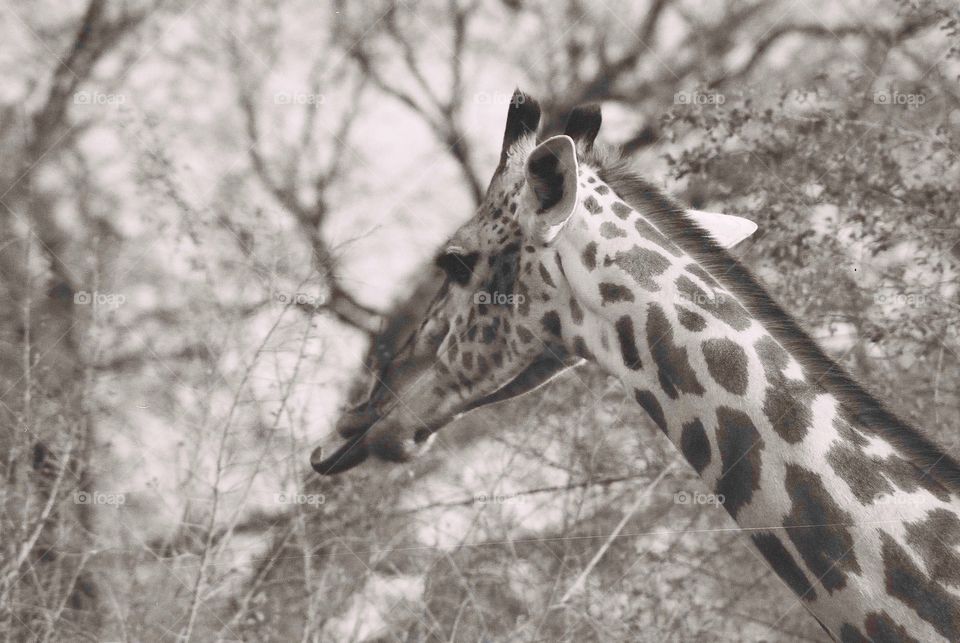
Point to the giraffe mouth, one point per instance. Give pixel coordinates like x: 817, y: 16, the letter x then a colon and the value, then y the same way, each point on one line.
x: 388, y: 446
x: 357, y: 423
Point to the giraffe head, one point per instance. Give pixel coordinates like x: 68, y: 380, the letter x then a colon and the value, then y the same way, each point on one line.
x: 495, y: 328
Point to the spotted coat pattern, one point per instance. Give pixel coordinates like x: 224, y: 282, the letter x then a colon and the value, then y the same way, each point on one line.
x: 838, y: 513
x: 868, y: 542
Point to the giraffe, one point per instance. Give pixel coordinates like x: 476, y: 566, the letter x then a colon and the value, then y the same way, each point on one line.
x: 572, y: 257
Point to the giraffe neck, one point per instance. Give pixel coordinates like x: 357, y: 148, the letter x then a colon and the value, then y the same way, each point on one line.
x: 847, y: 520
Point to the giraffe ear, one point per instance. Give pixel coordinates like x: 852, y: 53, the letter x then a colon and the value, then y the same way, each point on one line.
x: 726, y: 229
x: 551, y: 191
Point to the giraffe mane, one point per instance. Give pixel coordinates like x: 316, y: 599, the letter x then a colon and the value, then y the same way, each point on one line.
x: 858, y: 405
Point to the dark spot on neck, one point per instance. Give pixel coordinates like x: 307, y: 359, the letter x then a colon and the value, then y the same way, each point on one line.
x: 694, y: 445
x: 740, y: 447
x: 610, y: 230
x: 523, y: 302
x: 551, y: 322
x: 819, y: 528
x: 673, y: 365
x: 881, y: 627
x: 783, y: 563
x: 936, y: 539
x: 697, y: 270
x: 622, y: 210
x: 589, y: 255
x: 719, y: 304
x: 614, y: 293
x: 628, y: 346
x: 576, y: 313
x: 592, y: 206
x: 545, y: 275
x: 649, y: 402
x: 870, y: 477
x: 641, y: 264
x: 690, y: 320
x: 580, y: 349
x: 650, y: 233
x: 490, y: 331
x: 787, y: 404
x: 727, y: 364
x: 772, y: 355
x: 525, y: 335
x: 931, y: 602
x: 848, y: 433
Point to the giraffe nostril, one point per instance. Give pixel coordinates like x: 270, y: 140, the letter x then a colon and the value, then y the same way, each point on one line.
x: 357, y: 421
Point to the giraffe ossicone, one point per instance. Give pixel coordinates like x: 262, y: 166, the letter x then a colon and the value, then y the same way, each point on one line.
x: 573, y: 257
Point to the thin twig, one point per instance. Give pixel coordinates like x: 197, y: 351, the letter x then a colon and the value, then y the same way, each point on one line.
x: 641, y: 499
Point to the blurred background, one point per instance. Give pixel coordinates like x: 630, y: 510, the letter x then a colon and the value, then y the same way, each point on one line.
x: 211, y: 211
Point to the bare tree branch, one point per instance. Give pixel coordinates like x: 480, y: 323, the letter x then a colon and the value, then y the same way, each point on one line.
x: 310, y: 216
x: 441, y: 114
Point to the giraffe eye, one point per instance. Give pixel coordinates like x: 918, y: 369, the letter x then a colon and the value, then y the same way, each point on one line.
x: 458, y: 266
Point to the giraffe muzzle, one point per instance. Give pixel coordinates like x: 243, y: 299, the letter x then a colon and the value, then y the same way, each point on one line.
x: 351, y: 453
x: 385, y: 441
x: 358, y: 420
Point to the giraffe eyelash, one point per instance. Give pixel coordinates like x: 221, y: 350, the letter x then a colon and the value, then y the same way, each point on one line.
x: 458, y: 266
